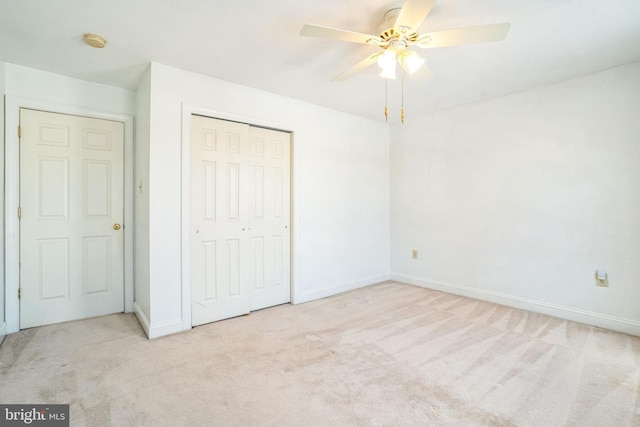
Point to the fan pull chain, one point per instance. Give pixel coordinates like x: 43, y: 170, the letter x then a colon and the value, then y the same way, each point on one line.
x: 402, y: 98
x: 386, y: 107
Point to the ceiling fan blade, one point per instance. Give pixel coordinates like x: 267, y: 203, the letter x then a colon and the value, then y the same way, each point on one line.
x: 460, y: 36
x: 369, y: 60
x: 413, y: 13
x: 310, y: 30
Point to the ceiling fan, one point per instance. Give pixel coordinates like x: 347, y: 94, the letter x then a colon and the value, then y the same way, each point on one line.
x: 399, y: 33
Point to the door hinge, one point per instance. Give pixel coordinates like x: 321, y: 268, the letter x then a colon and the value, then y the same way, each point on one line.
x: 19, y: 293
x: 19, y: 213
x: 19, y: 132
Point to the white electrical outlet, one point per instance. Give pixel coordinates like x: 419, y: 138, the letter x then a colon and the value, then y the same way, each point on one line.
x: 602, y: 278
x: 414, y: 253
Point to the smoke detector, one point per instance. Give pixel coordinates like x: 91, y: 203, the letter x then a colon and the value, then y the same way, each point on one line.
x: 94, y: 40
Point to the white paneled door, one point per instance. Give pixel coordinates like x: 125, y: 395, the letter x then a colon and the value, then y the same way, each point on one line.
x: 269, y: 217
x: 71, y: 202
x: 240, y: 235
x: 219, y: 235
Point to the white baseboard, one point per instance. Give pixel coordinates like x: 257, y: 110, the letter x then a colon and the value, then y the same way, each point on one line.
x: 142, y: 318
x: 156, y: 331
x: 3, y: 331
x: 626, y: 326
x: 168, y: 328
x: 337, y: 288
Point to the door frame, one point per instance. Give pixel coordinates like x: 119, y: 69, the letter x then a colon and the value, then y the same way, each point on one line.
x: 187, y: 111
x: 12, y: 197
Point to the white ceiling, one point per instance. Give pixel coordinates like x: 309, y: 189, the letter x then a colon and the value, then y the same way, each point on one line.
x: 256, y: 43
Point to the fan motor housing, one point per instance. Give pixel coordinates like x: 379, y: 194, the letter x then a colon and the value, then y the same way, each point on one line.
x: 388, y: 32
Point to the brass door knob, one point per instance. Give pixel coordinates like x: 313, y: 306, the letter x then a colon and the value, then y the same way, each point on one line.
x: 116, y: 226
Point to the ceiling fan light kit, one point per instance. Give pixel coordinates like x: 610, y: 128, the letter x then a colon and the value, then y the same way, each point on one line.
x: 387, y: 63
x: 410, y: 61
x: 398, y: 33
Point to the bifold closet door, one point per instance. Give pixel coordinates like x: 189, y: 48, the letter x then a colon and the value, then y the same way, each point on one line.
x: 240, y: 231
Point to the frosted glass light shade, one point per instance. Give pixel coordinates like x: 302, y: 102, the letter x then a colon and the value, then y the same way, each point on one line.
x: 412, y: 61
x: 387, y: 62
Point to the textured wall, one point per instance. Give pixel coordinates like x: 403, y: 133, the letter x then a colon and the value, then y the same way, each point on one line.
x: 521, y: 198
x: 340, y: 195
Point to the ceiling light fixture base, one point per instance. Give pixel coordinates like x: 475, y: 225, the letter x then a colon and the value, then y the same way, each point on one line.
x: 94, y: 40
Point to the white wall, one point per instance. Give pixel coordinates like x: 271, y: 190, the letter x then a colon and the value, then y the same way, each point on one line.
x: 39, y: 89
x: 3, y: 325
x: 520, y: 199
x: 141, y: 201
x: 340, y: 197
x: 56, y: 89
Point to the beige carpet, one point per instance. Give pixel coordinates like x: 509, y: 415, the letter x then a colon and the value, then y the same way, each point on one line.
x: 389, y: 354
